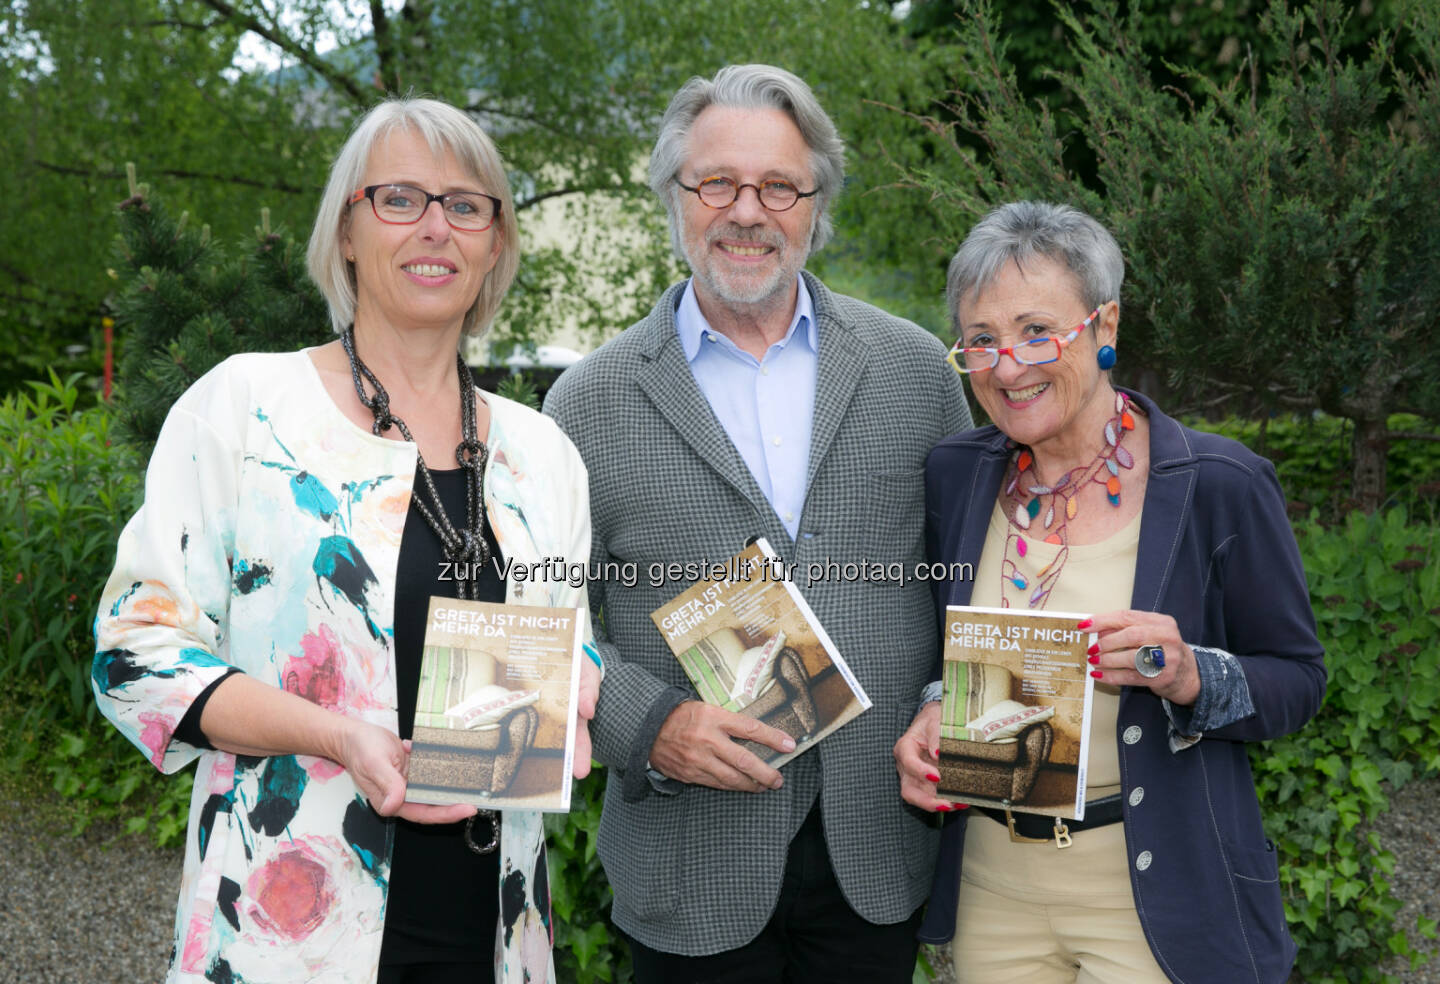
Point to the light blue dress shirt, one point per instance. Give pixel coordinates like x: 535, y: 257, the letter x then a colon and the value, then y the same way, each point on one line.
x: 766, y: 406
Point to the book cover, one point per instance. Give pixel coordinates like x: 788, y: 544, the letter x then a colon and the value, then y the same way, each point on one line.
x: 751, y: 644
x: 495, y: 716
x: 1015, y: 717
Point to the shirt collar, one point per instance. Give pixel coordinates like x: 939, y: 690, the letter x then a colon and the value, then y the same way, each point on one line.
x: 691, y: 326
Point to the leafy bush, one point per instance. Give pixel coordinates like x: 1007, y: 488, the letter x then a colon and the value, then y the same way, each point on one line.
x: 1375, y: 588
x: 65, y: 492
x: 1312, y: 456
x: 588, y: 948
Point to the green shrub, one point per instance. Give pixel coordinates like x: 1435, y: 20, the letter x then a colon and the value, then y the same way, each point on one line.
x: 1375, y: 588
x: 588, y: 948
x: 1312, y: 455
x: 65, y: 493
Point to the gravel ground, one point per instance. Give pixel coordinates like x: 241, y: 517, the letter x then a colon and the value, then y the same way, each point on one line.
x: 95, y: 909
x: 1411, y: 831
x: 98, y: 909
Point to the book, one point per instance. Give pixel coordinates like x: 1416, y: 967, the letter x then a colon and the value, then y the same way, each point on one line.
x: 750, y: 643
x: 1015, y: 715
x: 495, y: 713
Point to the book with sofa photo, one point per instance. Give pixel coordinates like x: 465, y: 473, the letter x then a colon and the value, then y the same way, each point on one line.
x: 749, y: 643
x: 1015, y: 713
x: 494, y: 718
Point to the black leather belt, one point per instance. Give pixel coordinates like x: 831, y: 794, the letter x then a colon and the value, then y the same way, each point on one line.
x: 1034, y: 827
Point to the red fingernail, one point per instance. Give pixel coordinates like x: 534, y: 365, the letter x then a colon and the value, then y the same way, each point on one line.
x: 1092, y: 660
x: 932, y: 777
x: 1084, y: 623
x: 944, y: 807
x: 1093, y: 649
x: 935, y: 753
x: 1096, y: 674
x: 962, y: 806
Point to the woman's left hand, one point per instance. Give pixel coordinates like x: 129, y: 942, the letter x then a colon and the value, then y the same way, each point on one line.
x: 584, y: 711
x: 1121, y: 633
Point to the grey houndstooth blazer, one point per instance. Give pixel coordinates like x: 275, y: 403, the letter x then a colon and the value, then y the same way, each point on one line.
x: 697, y: 870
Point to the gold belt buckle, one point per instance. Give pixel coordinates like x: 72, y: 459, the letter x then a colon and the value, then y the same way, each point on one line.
x: 1061, y: 834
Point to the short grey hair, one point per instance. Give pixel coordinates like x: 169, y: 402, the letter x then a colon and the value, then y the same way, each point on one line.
x: 749, y: 87
x: 1020, y: 231
x: 446, y: 130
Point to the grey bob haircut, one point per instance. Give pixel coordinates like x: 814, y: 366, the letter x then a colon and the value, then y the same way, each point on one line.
x: 1021, y: 231
x: 445, y: 130
x: 749, y: 87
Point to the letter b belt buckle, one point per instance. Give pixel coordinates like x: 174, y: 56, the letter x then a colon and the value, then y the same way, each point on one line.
x: 1061, y: 833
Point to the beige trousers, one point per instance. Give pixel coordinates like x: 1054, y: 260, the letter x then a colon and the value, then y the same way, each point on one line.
x: 1035, y: 914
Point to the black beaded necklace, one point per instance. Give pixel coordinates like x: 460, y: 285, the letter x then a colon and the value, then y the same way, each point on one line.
x: 464, y: 546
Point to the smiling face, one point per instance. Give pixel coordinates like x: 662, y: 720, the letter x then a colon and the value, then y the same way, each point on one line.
x: 1059, y: 409
x: 746, y: 255
x: 421, y: 275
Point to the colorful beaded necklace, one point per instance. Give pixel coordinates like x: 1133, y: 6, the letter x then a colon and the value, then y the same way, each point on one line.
x: 1023, y: 514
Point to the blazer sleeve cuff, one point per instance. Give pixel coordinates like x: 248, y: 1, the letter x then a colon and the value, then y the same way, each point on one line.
x: 640, y: 779
x: 1224, y: 698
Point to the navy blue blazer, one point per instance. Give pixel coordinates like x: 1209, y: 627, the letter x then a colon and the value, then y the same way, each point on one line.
x: 1216, y: 553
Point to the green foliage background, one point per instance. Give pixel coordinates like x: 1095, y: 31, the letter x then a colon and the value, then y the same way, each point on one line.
x: 1270, y: 219
x: 571, y: 93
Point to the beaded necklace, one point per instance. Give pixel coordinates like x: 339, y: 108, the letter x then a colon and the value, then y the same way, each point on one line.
x: 463, y: 546
x: 1023, y: 515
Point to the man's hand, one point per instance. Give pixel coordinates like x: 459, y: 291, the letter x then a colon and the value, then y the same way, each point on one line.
x: 695, y: 745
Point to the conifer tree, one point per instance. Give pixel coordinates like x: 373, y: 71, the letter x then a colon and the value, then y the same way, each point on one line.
x: 1280, y: 239
x: 186, y: 304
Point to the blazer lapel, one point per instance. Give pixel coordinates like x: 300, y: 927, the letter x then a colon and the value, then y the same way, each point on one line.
x: 1169, y: 495
x: 668, y: 381
x: 841, y: 361
x: 975, y: 524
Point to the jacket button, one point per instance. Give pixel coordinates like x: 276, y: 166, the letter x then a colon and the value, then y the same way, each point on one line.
x: 1142, y: 861
x: 1136, y: 795
x: 1132, y: 734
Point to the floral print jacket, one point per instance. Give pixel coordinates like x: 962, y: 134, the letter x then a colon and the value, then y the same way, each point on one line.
x: 268, y: 541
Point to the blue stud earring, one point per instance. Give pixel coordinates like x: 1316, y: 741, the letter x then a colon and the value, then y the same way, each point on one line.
x: 1106, y: 357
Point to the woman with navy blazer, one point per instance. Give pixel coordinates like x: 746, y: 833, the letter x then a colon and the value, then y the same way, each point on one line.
x: 1083, y: 497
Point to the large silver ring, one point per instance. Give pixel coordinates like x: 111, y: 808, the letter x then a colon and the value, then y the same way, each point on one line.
x: 1149, y: 661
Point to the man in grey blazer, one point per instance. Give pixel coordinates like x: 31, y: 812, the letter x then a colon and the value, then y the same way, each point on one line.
x: 754, y: 401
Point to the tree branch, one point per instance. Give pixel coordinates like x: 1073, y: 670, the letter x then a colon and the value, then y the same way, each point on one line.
x: 477, y: 108
x: 234, y: 179
x: 306, y: 57
x: 534, y: 200
x: 384, y: 43
x: 186, y: 25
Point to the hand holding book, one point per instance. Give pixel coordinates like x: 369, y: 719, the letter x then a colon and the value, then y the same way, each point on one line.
x: 770, y: 680
x: 697, y: 744
x: 1121, y: 633
x: 584, y: 714
x: 917, y: 759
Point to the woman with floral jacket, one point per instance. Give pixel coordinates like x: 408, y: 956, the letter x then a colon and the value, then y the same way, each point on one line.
x: 267, y: 607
